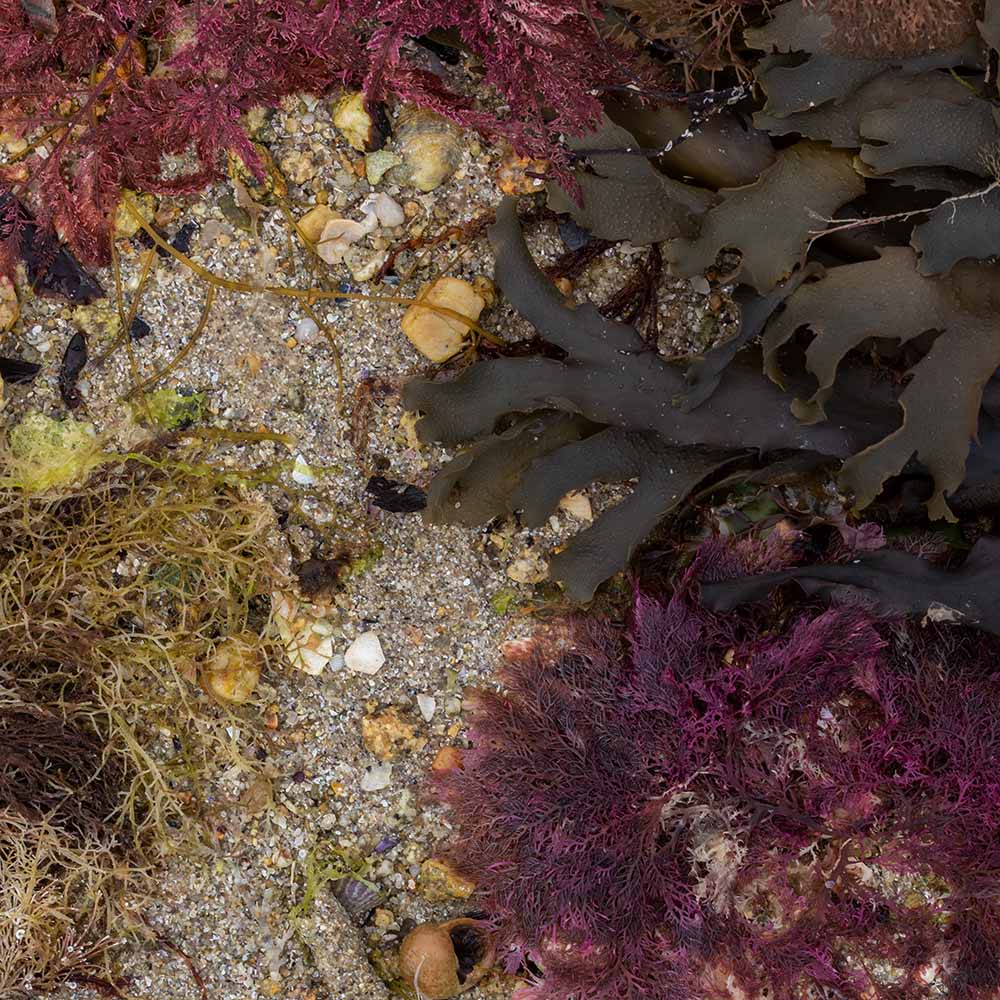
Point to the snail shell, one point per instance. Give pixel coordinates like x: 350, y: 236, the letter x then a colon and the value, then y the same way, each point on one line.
x: 430, y: 147
x: 356, y: 896
x: 443, y: 960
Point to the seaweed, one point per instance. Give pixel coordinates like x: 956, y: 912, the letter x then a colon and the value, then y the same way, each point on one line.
x: 623, y: 197
x: 793, y: 84
x: 772, y: 801
x: 890, y: 298
x: 612, y: 409
x: 120, y: 575
x: 965, y: 230
x: 771, y: 221
x: 890, y: 581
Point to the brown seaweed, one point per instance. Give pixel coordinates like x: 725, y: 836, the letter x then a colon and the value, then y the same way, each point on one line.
x: 894, y: 582
x: 624, y: 196
x: 770, y: 221
x: 960, y: 230
x: 889, y: 298
x: 612, y: 377
x: 609, y: 411
x: 794, y: 85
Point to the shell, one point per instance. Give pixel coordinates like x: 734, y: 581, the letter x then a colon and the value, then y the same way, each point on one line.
x: 234, y: 670
x: 444, y: 960
x: 356, y: 896
x: 430, y: 147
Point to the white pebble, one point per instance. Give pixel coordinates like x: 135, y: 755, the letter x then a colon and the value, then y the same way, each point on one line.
x: 365, y: 655
x: 306, y: 330
x: 427, y: 705
x: 376, y: 777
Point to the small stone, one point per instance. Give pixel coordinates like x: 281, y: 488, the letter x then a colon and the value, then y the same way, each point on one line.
x: 233, y: 671
x: 388, y: 211
x: 439, y: 883
x: 529, y: 567
x: 436, y: 336
x: 354, y: 123
x: 699, y: 283
x: 376, y: 777
x: 364, y: 655
x: 520, y: 174
x: 365, y: 270
x: 298, y: 167
x: 387, y: 734
x: 427, y: 706
x: 314, y: 222
x: 577, y: 505
x: 446, y: 759
x: 9, y: 308
x: 383, y: 919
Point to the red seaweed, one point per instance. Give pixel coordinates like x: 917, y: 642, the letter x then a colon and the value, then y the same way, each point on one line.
x: 705, y: 805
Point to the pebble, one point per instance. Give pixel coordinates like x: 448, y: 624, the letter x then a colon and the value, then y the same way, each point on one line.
x: 427, y: 706
x: 436, y: 336
x: 364, y: 655
x: 700, y: 284
x: 376, y: 777
x: 306, y: 330
x: 578, y: 506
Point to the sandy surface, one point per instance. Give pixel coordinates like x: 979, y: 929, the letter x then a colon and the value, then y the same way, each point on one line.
x: 428, y: 595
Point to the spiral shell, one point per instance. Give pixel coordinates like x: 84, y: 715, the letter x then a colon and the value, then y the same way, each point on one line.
x: 430, y: 147
x: 356, y: 896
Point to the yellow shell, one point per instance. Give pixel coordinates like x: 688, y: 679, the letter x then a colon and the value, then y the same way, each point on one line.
x: 430, y: 147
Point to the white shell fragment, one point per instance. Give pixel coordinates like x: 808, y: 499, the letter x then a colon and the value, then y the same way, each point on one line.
x: 308, y: 640
x: 376, y: 777
x: 301, y: 472
x: 427, y: 706
x: 364, y: 655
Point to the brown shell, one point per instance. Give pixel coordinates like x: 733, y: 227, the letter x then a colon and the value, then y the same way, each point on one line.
x: 445, y: 959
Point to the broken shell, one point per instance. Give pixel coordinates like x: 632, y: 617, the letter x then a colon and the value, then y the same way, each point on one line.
x: 365, y: 129
x: 444, y: 960
x: 308, y: 641
x: 365, y: 655
x: 430, y: 147
x: 439, y: 337
x: 234, y: 670
x: 356, y: 896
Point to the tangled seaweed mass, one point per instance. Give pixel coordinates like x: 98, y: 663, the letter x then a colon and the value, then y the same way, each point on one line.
x: 750, y: 804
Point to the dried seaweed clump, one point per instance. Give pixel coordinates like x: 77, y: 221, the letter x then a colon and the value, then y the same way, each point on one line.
x: 114, y: 594
x: 740, y: 805
x: 876, y: 29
